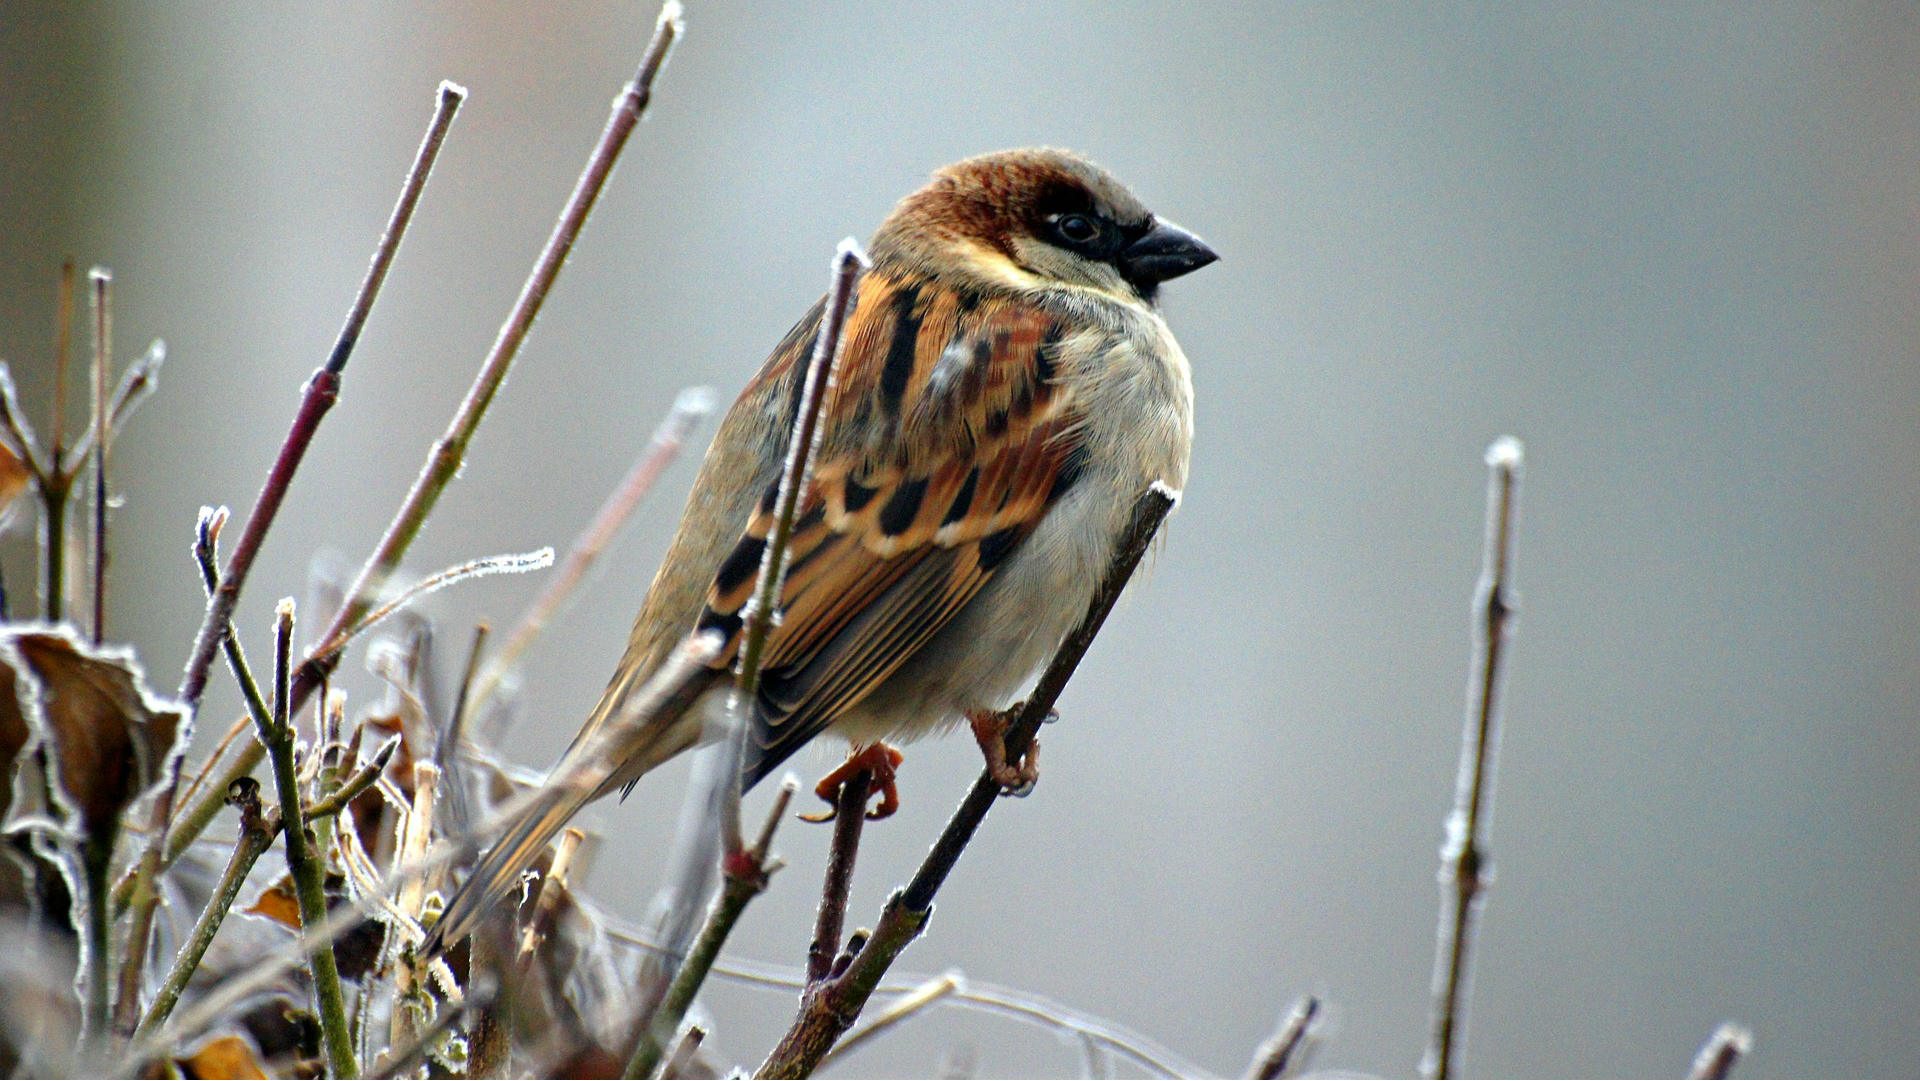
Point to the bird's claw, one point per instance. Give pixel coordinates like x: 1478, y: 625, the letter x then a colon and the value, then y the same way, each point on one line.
x: 990, y: 731
x: 880, y: 762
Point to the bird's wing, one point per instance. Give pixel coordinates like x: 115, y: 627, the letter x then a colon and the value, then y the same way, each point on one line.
x: 944, y: 440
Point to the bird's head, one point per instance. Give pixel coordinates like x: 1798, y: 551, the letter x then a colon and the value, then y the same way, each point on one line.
x: 1035, y: 219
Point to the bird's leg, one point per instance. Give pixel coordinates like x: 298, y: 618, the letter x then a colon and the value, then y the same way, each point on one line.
x: 990, y: 729
x: 879, y: 762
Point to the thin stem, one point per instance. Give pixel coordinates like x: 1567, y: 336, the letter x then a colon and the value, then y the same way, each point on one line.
x: 96, y: 861
x: 849, y: 815
x: 984, y: 997
x: 745, y: 877
x: 256, y: 836
x: 53, y: 543
x: 680, y: 1062
x: 1464, y: 858
x: 828, y: 1013
x: 62, y: 351
x: 403, y: 1022
x: 449, y: 452
x: 552, y: 885
x: 142, y: 894
x: 1280, y: 1055
x: 102, y: 280
x: 668, y: 439
x: 517, y: 563
x: 302, y: 862
x: 322, y: 390
x: 1722, y: 1052
x: 357, y: 782
x: 136, y: 385
x: 920, y: 998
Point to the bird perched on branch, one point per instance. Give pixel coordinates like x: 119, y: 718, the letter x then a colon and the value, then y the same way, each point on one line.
x: 1006, y: 390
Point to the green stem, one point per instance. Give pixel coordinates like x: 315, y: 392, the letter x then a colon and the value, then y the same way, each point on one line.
x: 53, y: 498
x: 308, y: 874
x: 97, y: 866
x: 256, y: 836
x: 734, y: 896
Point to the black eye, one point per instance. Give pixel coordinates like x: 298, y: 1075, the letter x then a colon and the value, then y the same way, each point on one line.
x: 1076, y: 229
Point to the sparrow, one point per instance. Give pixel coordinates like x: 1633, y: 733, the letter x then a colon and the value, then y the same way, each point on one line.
x: 1006, y: 389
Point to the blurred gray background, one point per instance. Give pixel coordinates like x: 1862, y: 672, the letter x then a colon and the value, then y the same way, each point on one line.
x: 1673, y: 249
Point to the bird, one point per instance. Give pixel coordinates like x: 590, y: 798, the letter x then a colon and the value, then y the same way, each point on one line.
x: 1007, y: 387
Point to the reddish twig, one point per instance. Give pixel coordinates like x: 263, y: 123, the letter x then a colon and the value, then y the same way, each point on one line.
x: 449, y: 452
x: 827, y: 1013
x: 322, y: 390
x: 849, y: 815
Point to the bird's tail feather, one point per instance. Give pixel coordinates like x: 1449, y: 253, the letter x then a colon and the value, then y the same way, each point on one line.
x: 627, y: 735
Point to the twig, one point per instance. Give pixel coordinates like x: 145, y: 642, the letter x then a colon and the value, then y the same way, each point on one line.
x: 102, y: 280
x: 826, y: 1015
x: 1279, y: 1056
x: 402, y: 1026
x: 322, y: 390
x: 62, y: 351
x: 136, y: 385
x: 1464, y: 866
x: 920, y: 998
x: 1722, y: 1052
x: 983, y: 997
x: 449, y: 452
x: 446, y: 742
x: 357, y: 782
x: 745, y: 878
x: 141, y: 893
x: 681, y: 1061
x: 540, y: 923
x: 516, y: 563
x: 692, y: 405
x: 684, y: 668
x: 256, y: 836
x: 302, y: 862
x: 849, y: 815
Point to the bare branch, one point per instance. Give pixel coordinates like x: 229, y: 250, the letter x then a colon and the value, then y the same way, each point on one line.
x: 1722, y: 1052
x: 322, y: 390
x: 303, y: 863
x: 1464, y: 866
x: 668, y: 439
x: 825, y: 1015
x: 920, y: 998
x: 519, y: 563
x: 746, y: 875
x: 1280, y: 1055
x: 449, y: 452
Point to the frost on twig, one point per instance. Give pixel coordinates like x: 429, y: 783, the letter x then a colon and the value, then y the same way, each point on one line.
x: 1463, y: 859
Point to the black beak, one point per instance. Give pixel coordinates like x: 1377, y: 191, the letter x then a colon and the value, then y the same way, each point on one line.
x: 1165, y: 252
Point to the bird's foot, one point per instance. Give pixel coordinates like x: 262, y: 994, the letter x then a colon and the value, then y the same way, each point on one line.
x: 990, y: 730
x: 879, y: 762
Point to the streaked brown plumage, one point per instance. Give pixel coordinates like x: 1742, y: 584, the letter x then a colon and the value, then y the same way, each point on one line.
x: 1006, y: 389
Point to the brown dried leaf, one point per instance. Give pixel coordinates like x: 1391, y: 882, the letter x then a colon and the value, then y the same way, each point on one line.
x: 13, y: 481
x: 277, y: 903
x: 224, y: 1057
x: 108, y: 737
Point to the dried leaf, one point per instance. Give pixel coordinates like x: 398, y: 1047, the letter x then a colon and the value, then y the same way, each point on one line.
x: 224, y: 1056
x: 13, y: 481
x: 277, y: 903
x: 108, y: 737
